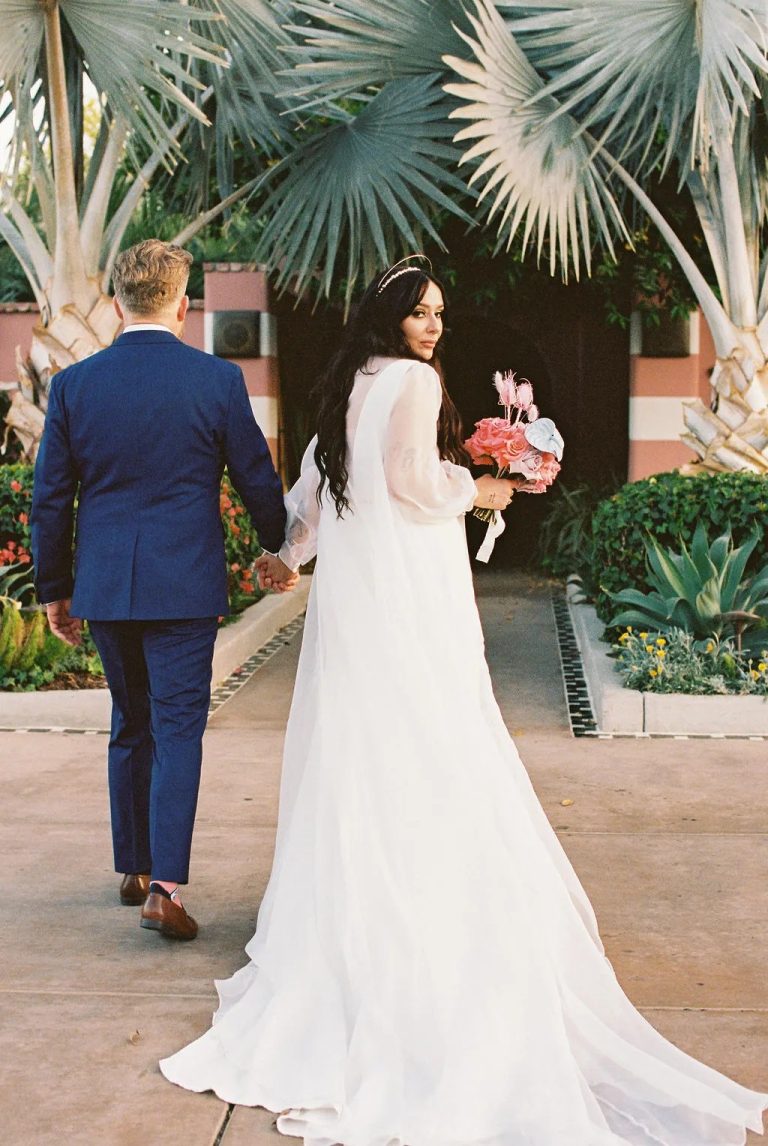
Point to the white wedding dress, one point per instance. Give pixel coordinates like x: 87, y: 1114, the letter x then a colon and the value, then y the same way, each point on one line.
x: 427, y: 969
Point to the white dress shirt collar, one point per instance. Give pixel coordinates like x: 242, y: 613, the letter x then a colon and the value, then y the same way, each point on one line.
x: 147, y: 326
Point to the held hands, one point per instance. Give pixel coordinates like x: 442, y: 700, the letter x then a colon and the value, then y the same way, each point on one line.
x: 494, y: 493
x: 64, y: 626
x: 275, y: 574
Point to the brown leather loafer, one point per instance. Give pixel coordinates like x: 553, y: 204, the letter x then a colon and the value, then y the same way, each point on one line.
x: 134, y: 889
x: 160, y: 913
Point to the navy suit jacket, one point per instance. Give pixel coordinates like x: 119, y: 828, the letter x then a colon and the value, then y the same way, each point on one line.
x: 140, y: 433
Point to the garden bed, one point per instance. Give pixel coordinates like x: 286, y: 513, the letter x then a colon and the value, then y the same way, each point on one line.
x: 89, y: 707
x: 624, y: 710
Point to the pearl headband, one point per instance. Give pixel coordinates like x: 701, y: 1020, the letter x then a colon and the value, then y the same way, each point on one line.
x: 392, y: 273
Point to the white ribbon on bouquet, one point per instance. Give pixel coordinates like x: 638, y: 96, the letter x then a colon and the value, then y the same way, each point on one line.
x: 496, y: 527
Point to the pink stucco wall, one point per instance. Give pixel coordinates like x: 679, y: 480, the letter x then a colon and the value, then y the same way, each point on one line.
x: 658, y: 389
x: 18, y: 319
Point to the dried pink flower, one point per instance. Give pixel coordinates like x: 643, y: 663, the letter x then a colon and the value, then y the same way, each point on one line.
x: 524, y: 397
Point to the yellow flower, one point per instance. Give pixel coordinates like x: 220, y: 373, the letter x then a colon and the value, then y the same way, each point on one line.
x: 754, y: 674
x: 649, y: 648
x: 653, y: 672
x: 710, y: 647
x: 629, y: 628
x: 643, y: 636
x: 660, y: 641
x: 661, y: 653
x: 623, y: 637
x: 762, y: 666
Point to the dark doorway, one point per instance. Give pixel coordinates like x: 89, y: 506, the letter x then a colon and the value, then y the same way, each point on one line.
x: 555, y: 336
x: 579, y: 368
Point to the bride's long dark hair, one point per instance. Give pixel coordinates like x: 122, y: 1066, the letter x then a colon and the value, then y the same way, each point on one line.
x: 374, y: 329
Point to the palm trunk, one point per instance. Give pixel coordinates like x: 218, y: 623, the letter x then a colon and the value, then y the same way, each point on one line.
x: 732, y: 434
x: 67, y: 338
x: 69, y: 284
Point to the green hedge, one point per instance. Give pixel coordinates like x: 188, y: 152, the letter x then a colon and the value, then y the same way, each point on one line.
x: 669, y: 506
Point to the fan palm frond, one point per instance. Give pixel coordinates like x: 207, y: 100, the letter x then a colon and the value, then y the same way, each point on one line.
x: 20, y: 46
x: 131, y: 51
x: 151, y: 53
x: 648, y: 74
x: 352, y: 46
x: 543, y: 172
x: 246, y: 93
x: 361, y: 187
x: 20, y: 42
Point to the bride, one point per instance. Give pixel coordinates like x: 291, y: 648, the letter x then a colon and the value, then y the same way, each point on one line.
x: 427, y: 969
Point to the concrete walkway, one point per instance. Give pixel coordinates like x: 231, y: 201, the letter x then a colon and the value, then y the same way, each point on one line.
x: 669, y: 838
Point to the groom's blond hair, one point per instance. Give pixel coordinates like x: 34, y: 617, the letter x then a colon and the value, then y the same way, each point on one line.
x: 149, y: 276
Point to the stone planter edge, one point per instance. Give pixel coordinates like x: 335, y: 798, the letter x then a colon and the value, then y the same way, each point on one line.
x: 619, y: 709
x: 90, y: 708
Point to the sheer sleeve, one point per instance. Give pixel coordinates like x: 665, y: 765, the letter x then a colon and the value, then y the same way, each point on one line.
x: 301, y: 503
x: 426, y: 488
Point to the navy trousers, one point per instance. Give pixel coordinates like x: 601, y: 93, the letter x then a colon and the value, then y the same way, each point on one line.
x: 159, y: 675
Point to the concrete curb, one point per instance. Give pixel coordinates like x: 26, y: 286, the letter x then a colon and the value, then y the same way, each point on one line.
x: 258, y: 624
x: 619, y: 709
x: 91, y: 708
x: 616, y: 709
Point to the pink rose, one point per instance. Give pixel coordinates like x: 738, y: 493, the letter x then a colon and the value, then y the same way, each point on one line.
x: 550, y: 468
x: 515, y: 449
x: 530, y: 463
x: 489, y: 441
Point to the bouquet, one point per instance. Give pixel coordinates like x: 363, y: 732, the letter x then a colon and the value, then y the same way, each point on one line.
x: 519, y: 443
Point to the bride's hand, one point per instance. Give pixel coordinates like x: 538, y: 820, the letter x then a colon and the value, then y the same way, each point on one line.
x: 274, y: 574
x: 493, y: 493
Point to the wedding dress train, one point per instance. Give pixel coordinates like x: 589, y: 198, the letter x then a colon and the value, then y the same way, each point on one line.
x: 426, y: 969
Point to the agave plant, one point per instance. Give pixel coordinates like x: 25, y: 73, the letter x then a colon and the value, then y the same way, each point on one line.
x: 16, y: 582
x: 572, y: 110
x: 702, y: 591
x: 158, y: 69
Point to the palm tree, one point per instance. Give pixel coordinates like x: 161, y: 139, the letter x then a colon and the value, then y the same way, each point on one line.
x: 574, y: 109
x: 161, y: 70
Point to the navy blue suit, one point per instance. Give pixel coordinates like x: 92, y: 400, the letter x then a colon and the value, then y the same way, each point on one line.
x: 140, y: 434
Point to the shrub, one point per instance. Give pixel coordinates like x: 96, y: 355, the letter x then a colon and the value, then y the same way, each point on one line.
x: 677, y: 662
x: 241, y: 542
x: 31, y: 657
x: 22, y: 641
x: 565, y: 543
x: 669, y: 507
x: 15, y: 507
x: 242, y: 548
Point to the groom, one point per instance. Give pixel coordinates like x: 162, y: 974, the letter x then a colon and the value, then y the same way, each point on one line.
x: 139, y: 434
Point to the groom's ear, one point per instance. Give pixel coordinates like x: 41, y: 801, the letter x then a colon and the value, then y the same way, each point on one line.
x: 181, y: 313
x: 118, y: 309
